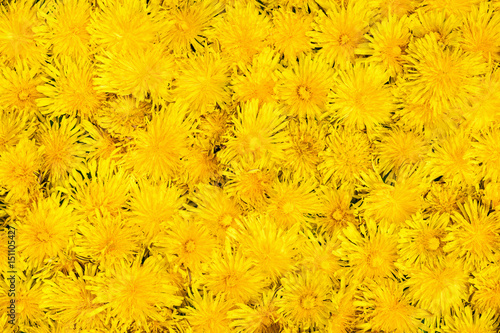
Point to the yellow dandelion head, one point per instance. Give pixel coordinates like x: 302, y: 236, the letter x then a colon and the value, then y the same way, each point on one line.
x: 304, y: 299
x: 250, y: 183
x: 291, y: 201
x: 438, y: 289
x: 153, y: 206
x: 260, y: 318
x: 66, y: 29
x: 486, y: 153
x: 208, y: 312
x: 336, y: 209
x: 258, y: 132
x: 68, y: 301
x: 469, y: 321
x: 387, y: 308
x: 216, y: 210
x: 234, y: 275
x: 158, y: 149
x: 318, y: 254
x: 71, y: 89
x: 108, y: 240
x: 144, y: 73
x: 341, y: 31
x: 486, y: 289
x: 18, y: 22
x: 443, y: 198
x: 272, y: 249
x: 18, y: 87
x: 436, y: 22
x: 387, y: 42
x: 19, y: 168
x: 201, y: 164
x: 136, y: 292
x: 474, y: 236
x: 188, y: 25
x: 360, y: 97
x: 103, y: 190
x: 122, y: 115
x: 202, y: 81
x: 307, y: 140
x: 124, y: 25
x: 422, y: 239
x: 450, y: 76
x: 290, y: 32
x: 303, y: 87
x: 63, y: 150
x: 190, y: 243
x: 399, y: 147
x: 257, y: 80
x: 13, y: 127
x: 242, y: 31
x: 370, y: 252
x: 347, y: 156
x: 46, y: 231
x: 100, y: 143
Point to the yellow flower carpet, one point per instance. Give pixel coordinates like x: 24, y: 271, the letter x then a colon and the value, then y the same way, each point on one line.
x: 250, y: 166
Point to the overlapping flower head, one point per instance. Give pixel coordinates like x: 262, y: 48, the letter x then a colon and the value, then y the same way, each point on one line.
x: 250, y: 166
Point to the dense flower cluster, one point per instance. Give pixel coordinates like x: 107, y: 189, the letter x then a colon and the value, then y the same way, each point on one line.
x: 250, y: 165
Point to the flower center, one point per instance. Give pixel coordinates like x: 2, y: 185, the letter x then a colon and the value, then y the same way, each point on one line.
x: 254, y: 144
x: 433, y: 244
x: 304, y: 93
x: 190, y: 246
x: 308, y: 302
x: 23, y: 95
x: 288, y: 208
x: 337, y: 215
x: 344, y: 39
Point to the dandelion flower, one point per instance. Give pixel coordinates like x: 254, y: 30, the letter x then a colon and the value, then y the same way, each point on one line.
x: 449, y: 75
x: 202, y: 81
x: 438, y: 289
x: 341, y: 31
x: 103, y: 190
x: 307, y: 140
x: 68, y: 301
x: 142, y: 73
x: 234, y: 275
x: 347, y: 156
x: 46, y: 231
x: 63, y: 151
x: 208, y: 312
x: 487, y: 153
x: 190, y: 243
x: 304, y: 299
x: 442, y: 25
x: 290, y: 202
x: 318, y: 254
x: 474, y: 236
x: 153, y: 205
x: 124, y: 25
x: 400, y: 147
x: 468, y: 320
x: 486, y: 289
x: 216, y: 210
x: 387, y: 308
x: 303, y: 87
x: 258, y: 132
x: 290, y: 33
x: 14, y: 127
x: 19, y: 167
x: 108, y: 240
x: 201, y: 164
x: 371, y: 253
x: 257, y: 80
x: 443, y: 198
x: 70, y: 89
x: 18, y: 87
x: 158, y: 149
x: 422, y: 239
x: 66, y: 29
x: 136, y: 292
x: 273, y: 249
x: 336, y: 210
x: 452, y: 158
x: 387, y: 41
x: 242, y: 31
x: 18, y: 20
x: 360, y: 98
x: 261, y: 318
x: 189, y: 24
x: 100, y: 143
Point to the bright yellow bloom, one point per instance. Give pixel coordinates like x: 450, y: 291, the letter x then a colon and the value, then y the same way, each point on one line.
x: 468, y: 320
x: 18, y: 87
x: 261, y: 318
x: 13, y: 127
x: 442, y: 25
x: 486, y: 289
x: 319, y: 254
x: 303, y: 87
x: 304, y: 299
x: 208, y: 312
x: 336, y: 210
